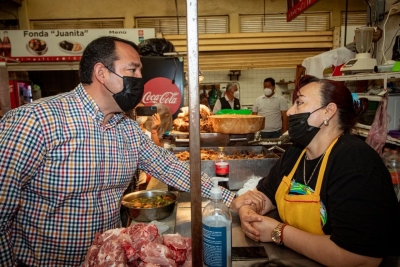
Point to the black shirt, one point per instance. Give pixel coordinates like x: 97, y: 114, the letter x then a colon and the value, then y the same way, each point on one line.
x: 357, y: 190
x: 225, y: 104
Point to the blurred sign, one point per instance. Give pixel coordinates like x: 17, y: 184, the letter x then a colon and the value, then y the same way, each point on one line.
x: 296, y: 7
x: 60, y: 45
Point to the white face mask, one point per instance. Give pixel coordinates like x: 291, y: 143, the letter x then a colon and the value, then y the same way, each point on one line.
x: 267, y: 91
x: 236, y: 94
x: 141, y: 120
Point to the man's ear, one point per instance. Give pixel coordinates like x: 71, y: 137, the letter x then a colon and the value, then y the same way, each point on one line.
x: 99, y: 72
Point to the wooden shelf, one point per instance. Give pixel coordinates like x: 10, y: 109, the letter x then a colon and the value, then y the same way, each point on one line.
x: 367, y: 76
x: 364, y: 133
x: 284, y: 83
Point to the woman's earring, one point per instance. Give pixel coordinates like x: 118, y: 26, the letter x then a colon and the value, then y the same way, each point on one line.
x: 326, y: 122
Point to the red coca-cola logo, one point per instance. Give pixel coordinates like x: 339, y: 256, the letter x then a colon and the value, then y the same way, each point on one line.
x: 162, y: 90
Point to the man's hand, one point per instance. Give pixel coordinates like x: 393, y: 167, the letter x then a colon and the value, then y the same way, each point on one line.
x: 251, y: 197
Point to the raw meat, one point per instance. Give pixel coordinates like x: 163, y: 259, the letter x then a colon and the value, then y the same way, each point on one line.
x: 139, y: 245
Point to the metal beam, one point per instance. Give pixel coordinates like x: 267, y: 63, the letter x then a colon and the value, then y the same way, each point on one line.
x: 194, y: 138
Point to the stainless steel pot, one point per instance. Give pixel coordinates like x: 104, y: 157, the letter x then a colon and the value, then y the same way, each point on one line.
x: 148, y: 215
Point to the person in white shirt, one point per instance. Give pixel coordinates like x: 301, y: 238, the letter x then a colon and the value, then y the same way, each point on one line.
x: 273, y: 108
x: 230, y: 100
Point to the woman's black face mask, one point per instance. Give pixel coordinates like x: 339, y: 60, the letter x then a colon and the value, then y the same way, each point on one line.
x: 131, y: 93
x: 299, y: 129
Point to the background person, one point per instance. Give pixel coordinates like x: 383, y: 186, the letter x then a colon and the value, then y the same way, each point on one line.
x: 140, y: 178
x: 332, y: 191
x: 155, y: 124
x: 67, y: 159
x: 230, y: 100
x: 273, y: 108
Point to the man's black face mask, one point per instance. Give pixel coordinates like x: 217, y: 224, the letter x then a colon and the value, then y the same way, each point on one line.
x: 131, y: 93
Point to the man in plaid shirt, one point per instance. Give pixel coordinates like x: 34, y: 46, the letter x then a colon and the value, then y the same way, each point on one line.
x: 66, y: 160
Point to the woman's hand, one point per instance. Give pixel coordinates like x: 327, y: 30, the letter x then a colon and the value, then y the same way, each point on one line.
x: 255, y: 226
x: 156, y: 121
x: 251, y: 197
x: 264, y: 228
x: 248, y: 216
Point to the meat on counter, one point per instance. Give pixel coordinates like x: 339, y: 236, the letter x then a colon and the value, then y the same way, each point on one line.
x: 139, y: 245
x: 181, y: 123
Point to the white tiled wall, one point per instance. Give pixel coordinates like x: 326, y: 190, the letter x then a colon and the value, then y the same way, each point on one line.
x: 251, y: 82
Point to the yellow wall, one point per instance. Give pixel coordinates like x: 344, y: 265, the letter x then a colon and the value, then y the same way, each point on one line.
x: 129, y: 9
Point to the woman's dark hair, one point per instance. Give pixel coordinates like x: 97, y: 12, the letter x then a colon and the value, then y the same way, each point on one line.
x: 338, y: 93
x: 101, y: 50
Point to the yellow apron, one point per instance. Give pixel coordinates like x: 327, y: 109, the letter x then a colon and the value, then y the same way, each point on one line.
x: 302, y: 211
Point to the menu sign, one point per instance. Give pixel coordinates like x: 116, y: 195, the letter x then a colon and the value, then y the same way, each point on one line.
x: 296, y: 7
x: 60, y: 45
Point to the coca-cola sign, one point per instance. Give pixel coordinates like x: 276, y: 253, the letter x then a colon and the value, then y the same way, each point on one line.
x: 162, y: 90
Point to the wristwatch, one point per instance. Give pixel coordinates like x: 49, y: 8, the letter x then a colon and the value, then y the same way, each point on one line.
x: 276, y: 234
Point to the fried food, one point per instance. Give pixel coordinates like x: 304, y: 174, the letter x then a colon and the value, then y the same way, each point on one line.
x: 209, y: 154
x: 181, y: 123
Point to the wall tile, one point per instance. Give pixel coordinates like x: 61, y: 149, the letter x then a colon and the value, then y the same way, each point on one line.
x: 250, y: 81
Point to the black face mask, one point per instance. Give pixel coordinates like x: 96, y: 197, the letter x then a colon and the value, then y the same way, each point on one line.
x: 299, y: 129
x: 131, y: 94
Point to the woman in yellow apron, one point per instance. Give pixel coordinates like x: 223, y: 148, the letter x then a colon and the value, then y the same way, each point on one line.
x: 332, y: 191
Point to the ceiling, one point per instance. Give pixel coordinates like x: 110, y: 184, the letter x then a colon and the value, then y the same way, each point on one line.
x: 17, y: 2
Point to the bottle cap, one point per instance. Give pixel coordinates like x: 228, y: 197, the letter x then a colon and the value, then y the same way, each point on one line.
x: 216, y: 192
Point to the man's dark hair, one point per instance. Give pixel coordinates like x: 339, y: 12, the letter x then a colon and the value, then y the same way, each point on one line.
x: 101, y: 50
x: 271, y: 80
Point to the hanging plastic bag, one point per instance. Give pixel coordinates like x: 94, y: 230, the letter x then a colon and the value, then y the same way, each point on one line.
x: 377, y: 135
x: 155, y: 47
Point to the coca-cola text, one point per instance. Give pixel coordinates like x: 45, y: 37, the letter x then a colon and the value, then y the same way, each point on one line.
x: 165, y: 98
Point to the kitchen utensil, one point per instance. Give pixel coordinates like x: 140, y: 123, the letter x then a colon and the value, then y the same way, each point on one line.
x: 148, y: 215
x: 363, y: 62
x: 237, y: 124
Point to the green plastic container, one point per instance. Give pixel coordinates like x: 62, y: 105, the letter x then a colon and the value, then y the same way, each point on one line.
x: 396, y: 67
x: 232, y: 111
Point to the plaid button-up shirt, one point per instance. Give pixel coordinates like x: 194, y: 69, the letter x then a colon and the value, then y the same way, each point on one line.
x: 63, y: 173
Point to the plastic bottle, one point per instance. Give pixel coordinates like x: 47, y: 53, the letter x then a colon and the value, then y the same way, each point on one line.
x: 222, y: 166
x: 217, y: 229
x: 6, y: 45
x: 393, y: 164
x: 386, y: 154
x: 1, y: 47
